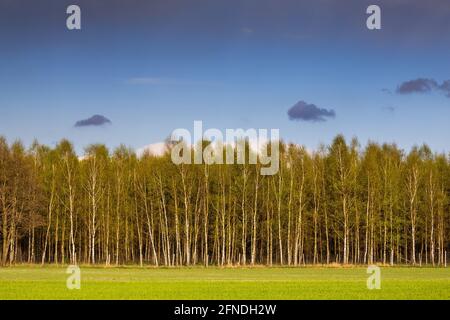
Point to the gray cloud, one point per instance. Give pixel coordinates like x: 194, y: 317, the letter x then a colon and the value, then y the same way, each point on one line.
x: 424, y: 85
x: 95, y: 120
x: 309, y: 112
x: 420, y: 85
x: 390, y: 109
x: 445, y: 88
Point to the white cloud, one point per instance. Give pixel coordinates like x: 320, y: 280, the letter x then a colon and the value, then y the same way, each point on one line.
x: 155, y: 149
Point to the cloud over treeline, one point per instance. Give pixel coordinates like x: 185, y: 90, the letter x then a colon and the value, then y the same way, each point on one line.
x: 95, y: 120
x: 303, y: 111
x: 424, y: 85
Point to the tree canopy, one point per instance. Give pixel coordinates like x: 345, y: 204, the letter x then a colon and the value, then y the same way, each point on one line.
x: 339, y: 204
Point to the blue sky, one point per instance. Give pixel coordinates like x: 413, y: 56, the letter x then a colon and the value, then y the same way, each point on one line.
x: 154, y: 66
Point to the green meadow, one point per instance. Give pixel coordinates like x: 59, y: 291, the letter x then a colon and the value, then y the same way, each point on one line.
x: 35, y: 282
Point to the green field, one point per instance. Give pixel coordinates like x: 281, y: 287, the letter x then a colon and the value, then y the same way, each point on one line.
x: 29, y: 282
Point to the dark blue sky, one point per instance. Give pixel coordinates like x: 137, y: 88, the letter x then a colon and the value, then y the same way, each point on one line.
x: 156, y: 65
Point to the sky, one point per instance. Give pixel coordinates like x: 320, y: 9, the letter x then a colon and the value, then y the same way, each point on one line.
x: 139, y: 69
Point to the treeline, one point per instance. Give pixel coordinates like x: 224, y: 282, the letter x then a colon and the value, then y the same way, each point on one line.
x: 339, y: 204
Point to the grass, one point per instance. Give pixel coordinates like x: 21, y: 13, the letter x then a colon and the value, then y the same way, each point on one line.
x: 34, y: 282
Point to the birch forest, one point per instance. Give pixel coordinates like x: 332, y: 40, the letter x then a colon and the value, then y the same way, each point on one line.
x: 339, y: 204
